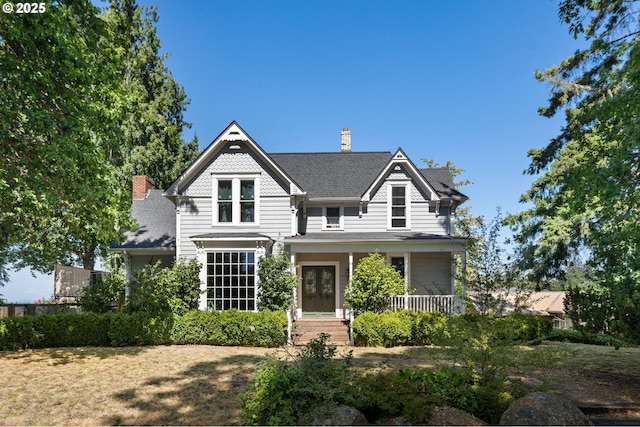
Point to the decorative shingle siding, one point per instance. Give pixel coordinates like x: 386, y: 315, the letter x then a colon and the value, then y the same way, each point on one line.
x: 241, y: 162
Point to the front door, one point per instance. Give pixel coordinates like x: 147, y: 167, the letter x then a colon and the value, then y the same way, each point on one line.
x: 319, y: 290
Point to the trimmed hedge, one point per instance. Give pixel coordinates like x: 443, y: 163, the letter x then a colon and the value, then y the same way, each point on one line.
x: 403, y: 327
x: 587, y: 338
x: 231, y: 327
x: 264, y: 329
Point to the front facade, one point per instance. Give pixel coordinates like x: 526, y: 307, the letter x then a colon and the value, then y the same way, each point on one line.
x: 236, y: 203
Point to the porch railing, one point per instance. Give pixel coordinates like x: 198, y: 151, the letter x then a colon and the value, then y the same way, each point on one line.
x: 448, y: 304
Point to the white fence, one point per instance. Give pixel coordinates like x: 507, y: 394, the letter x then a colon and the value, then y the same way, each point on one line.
x: 448, y: 304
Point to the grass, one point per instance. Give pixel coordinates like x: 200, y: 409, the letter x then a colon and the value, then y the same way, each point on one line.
x: 201, y: 385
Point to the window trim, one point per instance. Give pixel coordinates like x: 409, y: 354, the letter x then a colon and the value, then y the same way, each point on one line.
x: 407, y: 204
x: 236, y: 212
x: 325, y: 225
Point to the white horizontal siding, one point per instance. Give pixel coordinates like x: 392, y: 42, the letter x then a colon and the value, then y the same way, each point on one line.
x: 196, y: 217
x: 431, y: 273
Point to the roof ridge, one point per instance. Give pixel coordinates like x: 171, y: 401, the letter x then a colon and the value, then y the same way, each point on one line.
x: 332, y: 152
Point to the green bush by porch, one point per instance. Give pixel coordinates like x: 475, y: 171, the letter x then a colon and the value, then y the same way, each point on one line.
x: 263, y: 329
x: 405, y: 327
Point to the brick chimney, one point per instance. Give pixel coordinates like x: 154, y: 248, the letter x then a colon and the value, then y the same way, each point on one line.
x: 345, y: 144
x: 141, y: 185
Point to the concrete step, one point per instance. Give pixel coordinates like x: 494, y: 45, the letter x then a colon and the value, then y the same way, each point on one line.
x: 304, y: 330
x: 611, y: 413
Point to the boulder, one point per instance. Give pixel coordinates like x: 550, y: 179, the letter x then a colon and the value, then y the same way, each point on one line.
x: 444, y: 416
x: 543, y: 409
x: 341, y: 415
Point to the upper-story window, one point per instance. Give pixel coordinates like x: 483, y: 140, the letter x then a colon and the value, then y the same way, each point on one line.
x: 236, y: 200
x: 398, y: 206
x: 332, y: 218
x: 247, y: 200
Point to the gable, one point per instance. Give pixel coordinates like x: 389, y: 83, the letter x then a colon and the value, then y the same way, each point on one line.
x: 400, y: 165
x: 233, y: 151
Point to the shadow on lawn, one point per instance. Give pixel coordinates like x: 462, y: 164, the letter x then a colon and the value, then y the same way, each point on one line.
x: 64, y: 355
x: 208, y: 393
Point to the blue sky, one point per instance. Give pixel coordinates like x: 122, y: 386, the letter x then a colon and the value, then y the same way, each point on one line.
x: 448, y: 80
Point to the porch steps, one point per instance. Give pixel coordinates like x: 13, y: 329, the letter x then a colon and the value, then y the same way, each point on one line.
x: 304, y: 330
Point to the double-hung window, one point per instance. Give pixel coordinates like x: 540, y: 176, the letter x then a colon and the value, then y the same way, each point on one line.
x: 236, y: 200
x: 332, y: 218
x: 398, y: 206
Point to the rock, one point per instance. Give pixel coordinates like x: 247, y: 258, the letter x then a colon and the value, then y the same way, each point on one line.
x: 342, y: 415
x: 543, y: 409
x: 444, y: 416
x: 397, y: 421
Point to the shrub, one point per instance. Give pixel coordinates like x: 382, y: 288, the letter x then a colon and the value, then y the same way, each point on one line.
x: 372, y: 284
x: 287, y: 392
x: 139, y: 329
x: 103, y: 294
x: 586, y: 338
x: 427, y: 326
x: 390, y: 394
x: 158, y: 290
x: 387, y: 329
x: 277, y: 282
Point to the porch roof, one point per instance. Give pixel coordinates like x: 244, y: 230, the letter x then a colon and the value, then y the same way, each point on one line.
x: 374, y: 241
x: 230, y: 236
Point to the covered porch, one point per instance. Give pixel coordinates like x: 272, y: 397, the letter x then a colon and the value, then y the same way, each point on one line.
x: 324, y: 264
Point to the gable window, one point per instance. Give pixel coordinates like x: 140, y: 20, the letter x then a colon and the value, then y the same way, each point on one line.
x: 332, y: 218
x: 398, y: 207
x: 236, y: 200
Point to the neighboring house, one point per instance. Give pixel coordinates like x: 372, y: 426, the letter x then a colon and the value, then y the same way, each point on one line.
x: 327, y: 210
x: 549, y: 304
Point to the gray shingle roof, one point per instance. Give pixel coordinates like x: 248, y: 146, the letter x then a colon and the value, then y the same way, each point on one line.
x: 338, y: 174
x: 156, y: 221
x: 335, y: 174
x: 442, y: 182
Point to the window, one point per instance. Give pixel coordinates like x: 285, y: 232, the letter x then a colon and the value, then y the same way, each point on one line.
x: 398, y: 263
x: 247, y: 201
x: 236, y: 199
x: 225, y: 201
x: 231, y: 280
x: 332, y: 219
x: 398, y: 207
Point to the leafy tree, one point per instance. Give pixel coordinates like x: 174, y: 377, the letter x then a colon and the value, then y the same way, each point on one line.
x: 588, y: 192
x: 87, y: 102
x: 372, y: 284
x: 466, y: 224
x: 58, y: 113
x: 277, y: 282
x: 495, y: 281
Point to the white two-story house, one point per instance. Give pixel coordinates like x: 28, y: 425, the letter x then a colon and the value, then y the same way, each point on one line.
x: 327, y: 210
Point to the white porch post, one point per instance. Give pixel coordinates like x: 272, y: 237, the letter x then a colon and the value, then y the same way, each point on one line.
x: 350, y: 271
x: 292, y: 260
x: 463, y: 255
x: 406, y: 279
x: 201, y: 256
